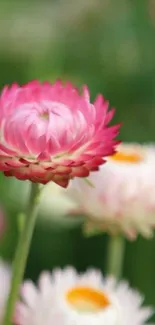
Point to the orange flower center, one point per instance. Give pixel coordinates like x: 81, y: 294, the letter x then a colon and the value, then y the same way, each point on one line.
x: 86, y: 299
x: 127, y: 157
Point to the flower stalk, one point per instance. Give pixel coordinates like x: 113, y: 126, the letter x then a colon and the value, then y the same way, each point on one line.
x: 115, y: 255
x: 22, y: 252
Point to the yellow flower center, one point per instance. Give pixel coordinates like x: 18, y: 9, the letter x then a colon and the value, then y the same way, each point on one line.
x: 84, y: 299
x: 127, y: 157
x: 45, y: 116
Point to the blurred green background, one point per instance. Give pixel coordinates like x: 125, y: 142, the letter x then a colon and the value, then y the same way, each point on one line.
x: 109, y: 45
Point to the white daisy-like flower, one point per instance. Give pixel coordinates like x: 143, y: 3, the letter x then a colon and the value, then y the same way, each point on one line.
x: 122, y: 195
x: 68, y: 298
x: 5, y: 278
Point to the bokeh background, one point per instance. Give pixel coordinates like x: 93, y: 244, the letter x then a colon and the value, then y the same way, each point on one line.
x: 109, y: 45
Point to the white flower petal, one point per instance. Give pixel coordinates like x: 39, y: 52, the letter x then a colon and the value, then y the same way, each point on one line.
x: 29, y: 293
x: 5, y: 278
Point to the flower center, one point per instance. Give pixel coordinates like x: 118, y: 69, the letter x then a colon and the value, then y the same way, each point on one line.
x: 86, y: 299
x: 44, y: 116
x: 127, y: 157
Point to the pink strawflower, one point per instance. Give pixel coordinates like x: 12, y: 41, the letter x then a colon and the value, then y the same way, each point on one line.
x: 51, y: 132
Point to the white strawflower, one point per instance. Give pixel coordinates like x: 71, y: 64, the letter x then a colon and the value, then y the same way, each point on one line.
x: 122, y: 196
x: 67, y: 298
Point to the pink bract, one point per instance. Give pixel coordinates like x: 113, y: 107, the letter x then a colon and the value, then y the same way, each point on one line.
x: 49, y: 132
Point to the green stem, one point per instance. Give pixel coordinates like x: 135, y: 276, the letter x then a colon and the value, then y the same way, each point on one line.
x: 22, y: 253
x: 115, y: 256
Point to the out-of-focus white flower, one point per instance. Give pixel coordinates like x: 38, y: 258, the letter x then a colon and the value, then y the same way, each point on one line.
x: 122, y: 195
x: 56, y: 206
x: 68, y: 298
x: 5, y: 277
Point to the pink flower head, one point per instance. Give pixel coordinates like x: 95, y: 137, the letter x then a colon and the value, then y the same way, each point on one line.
x: 49, y: 132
